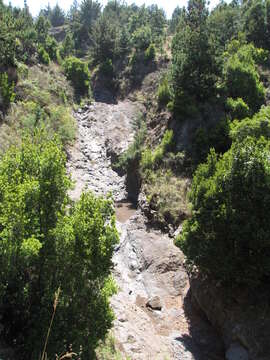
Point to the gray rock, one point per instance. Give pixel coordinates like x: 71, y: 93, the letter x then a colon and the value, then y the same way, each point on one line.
x: 154, y: 303
x: 237, y: 352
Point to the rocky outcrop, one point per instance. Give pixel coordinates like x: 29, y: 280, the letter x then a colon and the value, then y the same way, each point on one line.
x: 241, y: 316
x: 104, y: 132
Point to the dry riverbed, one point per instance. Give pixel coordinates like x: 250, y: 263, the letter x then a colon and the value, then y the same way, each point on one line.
x: 154, y: 315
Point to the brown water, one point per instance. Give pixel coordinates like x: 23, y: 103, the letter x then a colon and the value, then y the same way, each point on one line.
x: 124, y: 210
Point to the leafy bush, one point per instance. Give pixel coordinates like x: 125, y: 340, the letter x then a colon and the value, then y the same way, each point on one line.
x: 257, y: 126
x: 68, y: 46
x: 237, y: 108
x: 212, y: 136
x: 228, y: 235
x: 242, y: 79
x: 150, y: 159
x: 47, y: 243
x: 141, y: 38
x: 51, y: 47
x: 7, y: 94
x: 150, y: 53
x: 44, y: 57
x: 134, y: 151
x: 163, y: 94
x: 78, y: 73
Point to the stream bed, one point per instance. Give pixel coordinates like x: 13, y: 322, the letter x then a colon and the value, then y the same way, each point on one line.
x: 154, y: 315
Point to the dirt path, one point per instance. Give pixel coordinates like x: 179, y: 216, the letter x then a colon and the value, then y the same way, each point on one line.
x: 154, y: 316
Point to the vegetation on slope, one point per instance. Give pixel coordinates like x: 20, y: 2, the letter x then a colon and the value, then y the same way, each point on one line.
x: 46, y: 243
x: 215, y: 94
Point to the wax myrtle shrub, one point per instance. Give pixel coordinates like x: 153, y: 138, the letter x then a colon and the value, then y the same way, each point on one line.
x: 256, y: 126
x: 242, y: 78
x: 78, y: 73
x: 228, y: 234
x: 48, y: 242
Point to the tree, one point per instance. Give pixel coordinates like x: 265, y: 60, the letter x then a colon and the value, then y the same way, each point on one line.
x: 57, y: 16
x: 47, y: 243
x: 104, y: 40
x: 89, y: 13
x: 255, y: 23
x: 142, y: 38
x: 257, y: 126
x: 228, y: 235
x: 7, y: 38
x: 224, y: 23
x: 193, y: 62
x: 68, y: 46
x: 42, y: 27
x: 176, y: 15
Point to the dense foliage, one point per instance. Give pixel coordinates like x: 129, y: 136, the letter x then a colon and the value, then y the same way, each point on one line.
x: 193, y: 63
x: 217, y: 90
x: 78, y: 73
x: 46, y: 245
x: 228, y: 234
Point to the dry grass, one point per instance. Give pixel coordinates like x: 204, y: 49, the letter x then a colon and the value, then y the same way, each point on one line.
x: 167, y: 197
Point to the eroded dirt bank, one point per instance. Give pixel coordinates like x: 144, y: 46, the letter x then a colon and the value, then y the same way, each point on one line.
x: 154, y: 315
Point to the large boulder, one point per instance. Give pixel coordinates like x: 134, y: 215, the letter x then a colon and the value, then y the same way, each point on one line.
x: 242, y: 317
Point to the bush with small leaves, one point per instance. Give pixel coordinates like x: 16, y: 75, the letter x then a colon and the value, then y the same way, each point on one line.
x: 150, y: 53
x: 228, y: 234
x: 238, y: 109
x: 78, y: 73
x: 163, y: 93
x: 44, y: 57
x: 48, y: 242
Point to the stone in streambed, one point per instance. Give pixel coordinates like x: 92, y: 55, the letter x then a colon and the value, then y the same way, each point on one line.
x: 154, y: 303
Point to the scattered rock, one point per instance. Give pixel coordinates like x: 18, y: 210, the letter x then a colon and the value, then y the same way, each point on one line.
x: 154, y: 303
x: 236, y: 352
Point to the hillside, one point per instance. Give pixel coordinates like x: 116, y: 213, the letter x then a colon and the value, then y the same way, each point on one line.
x: 134, y: 182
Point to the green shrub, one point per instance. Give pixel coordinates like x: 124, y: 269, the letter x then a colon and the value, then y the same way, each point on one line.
x: 163, y: 94
x: 228, y: 235
x: 150, y: 160
x: 51, y: 47
x: 150, y: 53
x: 46, y: 243
x: 78, y: 73
x: 44, y: 57
x: 7, y: 94
x: 242, y: 79
x: 68, y: 46
x: 257, y: 126
x: 134, y: 151
x: 237, y: 108
x: 141, y: 38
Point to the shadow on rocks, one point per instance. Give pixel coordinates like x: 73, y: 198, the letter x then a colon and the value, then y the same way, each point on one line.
x: 203, y: 342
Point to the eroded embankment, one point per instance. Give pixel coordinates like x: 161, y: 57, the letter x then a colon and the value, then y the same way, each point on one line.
x: 154, y: 315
